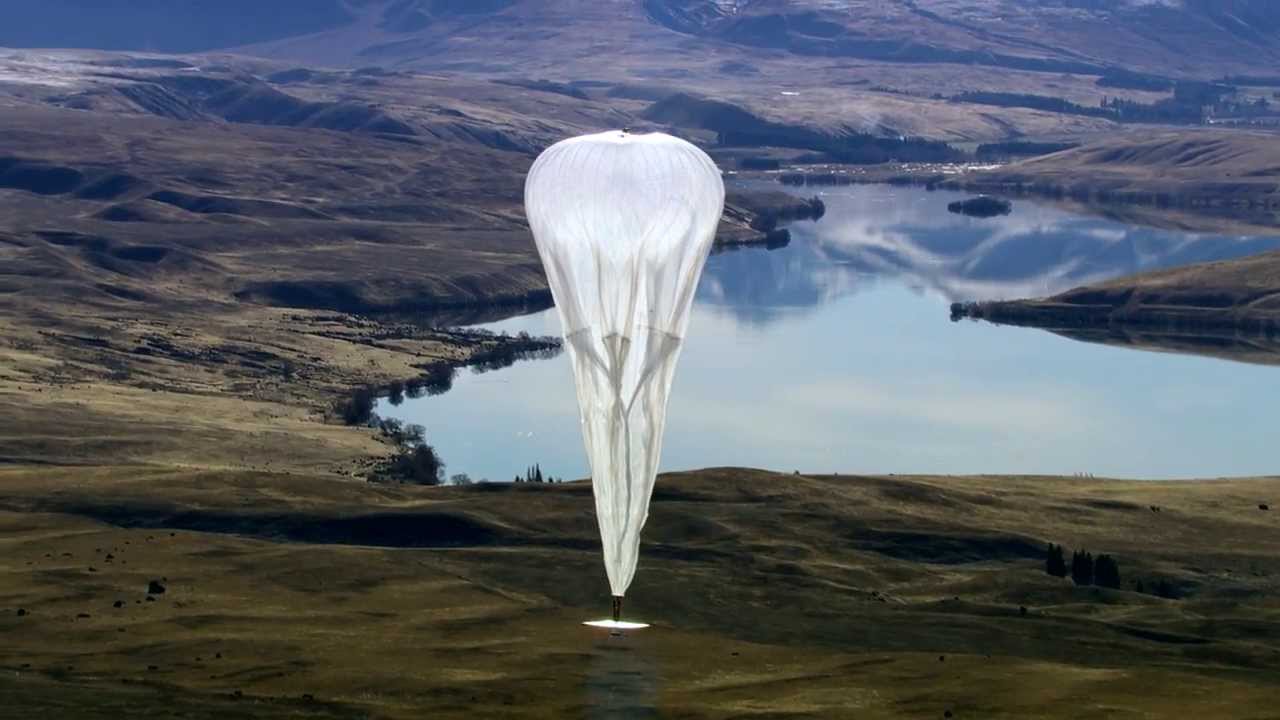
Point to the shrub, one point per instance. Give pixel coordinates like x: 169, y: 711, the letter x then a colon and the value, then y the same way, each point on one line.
x: 395, y: 393
x: 1055, y: 563
x: 403, y: 436
x: 991, y: 151
x: 420, y: 465
x: 758, y: 163
x: 358, y: 409
x: 1082, y: 569
x: 1106, y: 572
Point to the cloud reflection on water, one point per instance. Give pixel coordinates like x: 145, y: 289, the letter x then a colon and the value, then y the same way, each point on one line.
x: 871, y: 233
x: 836, y: 354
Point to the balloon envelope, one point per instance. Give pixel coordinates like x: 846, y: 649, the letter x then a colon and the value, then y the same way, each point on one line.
x: 623, y: 223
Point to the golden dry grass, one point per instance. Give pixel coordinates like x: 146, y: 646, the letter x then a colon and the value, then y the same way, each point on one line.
x: 771, y: 596
x: 1227, y: 172
x: 160, y: 411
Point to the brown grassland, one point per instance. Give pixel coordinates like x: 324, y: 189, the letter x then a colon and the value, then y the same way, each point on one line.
x: 192, y: 272
x: 302, y: 595
x: 1230, y: 176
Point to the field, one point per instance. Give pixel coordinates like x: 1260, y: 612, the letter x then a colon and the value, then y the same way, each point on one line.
x: 225, y: 283
x: 295, y: 595
x: 201, y: 254
x: 1227, y: 178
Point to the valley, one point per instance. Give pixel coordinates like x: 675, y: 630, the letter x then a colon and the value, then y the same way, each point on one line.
x: 221, y: 224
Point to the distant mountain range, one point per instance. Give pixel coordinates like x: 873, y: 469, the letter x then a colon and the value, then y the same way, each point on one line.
x: 164, y: 25
x: 1178, y: 37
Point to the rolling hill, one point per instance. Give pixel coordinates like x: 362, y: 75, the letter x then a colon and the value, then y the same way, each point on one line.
x: 202, y: 253
x: 288, y: 594
x: 180, y: 26
x: 1234, y: 175
x: 1188, y: 38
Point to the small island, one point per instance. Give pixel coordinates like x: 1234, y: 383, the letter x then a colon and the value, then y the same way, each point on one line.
x: 983, y: 206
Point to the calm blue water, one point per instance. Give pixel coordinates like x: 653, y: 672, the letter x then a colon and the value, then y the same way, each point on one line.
x: 837, y: 354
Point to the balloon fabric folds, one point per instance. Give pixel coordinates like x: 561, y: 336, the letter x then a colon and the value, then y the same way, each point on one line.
x: 624, y: 223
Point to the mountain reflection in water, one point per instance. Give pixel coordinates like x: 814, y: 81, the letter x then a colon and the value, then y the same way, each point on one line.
x: 837, y: 352
x: 872, y: 233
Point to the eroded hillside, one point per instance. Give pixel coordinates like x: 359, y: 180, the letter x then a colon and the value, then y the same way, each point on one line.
x: 1190, y: 38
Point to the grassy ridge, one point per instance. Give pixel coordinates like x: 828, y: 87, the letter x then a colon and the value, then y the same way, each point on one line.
x: 1199, y: 169
x: 1226, y: 309
x: 791, y: 595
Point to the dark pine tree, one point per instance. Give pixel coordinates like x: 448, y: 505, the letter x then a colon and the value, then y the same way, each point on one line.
x: 537, y: 473
x: 358, y: 409
x: 1106, y: 572
x: 1082, y: 568
x: 1055, y: 563
x: 420, y: 465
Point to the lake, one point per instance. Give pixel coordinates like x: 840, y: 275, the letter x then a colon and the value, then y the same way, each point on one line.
x: 836, y: 353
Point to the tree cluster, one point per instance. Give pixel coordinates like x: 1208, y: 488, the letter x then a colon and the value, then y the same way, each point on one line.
x: 414, y: 462
x: 1130, y: 80
x: 420, y: 465
x: 803, y: 178
x: 1252, y: 80
x: 357, y: 409
x: 768, y: 219
x: 1082, y: 567
x: 522, y: 347
x: 1085, y: 569
x: 1055, y: 562
x: 759, y: 163
x: 852, y: 149
x: 1103, y: 571
x: 1106, y: 572
x: 1186, y: 105
x: 1035, y: 102
x: 400, y: 434
x: 1000, y: 150
x: 533, y: 474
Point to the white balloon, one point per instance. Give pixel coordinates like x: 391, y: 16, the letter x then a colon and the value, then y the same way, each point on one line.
x: 624, y: 223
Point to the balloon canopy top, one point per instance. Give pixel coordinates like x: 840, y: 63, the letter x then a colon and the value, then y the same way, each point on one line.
x: 627, y: 136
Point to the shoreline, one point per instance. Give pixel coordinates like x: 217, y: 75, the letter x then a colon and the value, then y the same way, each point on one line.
x: 227, y: 371
x: 1048, y: 314
x: 1244, y: 201
x: 295, y: 329
x: 1229, y: 307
